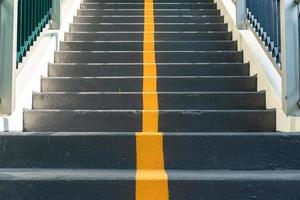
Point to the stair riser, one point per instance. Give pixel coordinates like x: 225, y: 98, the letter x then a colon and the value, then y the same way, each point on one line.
x: 231, y: 151
x: 135, y: 84
x: 68, y: 189
x: 136, y: 57
x: 69, y: 151
x: 139, y: 36
x: 87, y: 12
x: 234, y: 189
x: 93, y: 150
x: 140, y: 27
x: 178, y: 189
x: 138, y: 46
x: 140, y: 19
x: 61, y: 70
x: 134, y: 101
x: 141, y: 6
x: 131, y: 121
x: 88, y: 101
x: 189, y: 121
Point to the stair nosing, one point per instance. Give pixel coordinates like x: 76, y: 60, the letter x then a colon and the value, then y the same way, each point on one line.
x: 159, y: 93
x: 38, y: 174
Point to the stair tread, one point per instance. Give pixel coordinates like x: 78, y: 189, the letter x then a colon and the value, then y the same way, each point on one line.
x: 117, y: 175
x: 158, y: 77
x: 136, y: 111
x: 278, y: 135
x: 162, y: 93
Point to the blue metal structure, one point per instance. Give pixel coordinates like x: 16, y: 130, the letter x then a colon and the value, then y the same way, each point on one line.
x: 33, y: 15
x: 264, y: 16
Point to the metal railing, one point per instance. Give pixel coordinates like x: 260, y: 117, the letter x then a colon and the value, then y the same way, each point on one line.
x: 21, y: 23
x: 33, y: 15
x: 264, y: 16
x: 276, y: 22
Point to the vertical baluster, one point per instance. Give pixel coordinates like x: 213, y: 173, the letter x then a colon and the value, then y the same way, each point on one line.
x: 40, y: 15
x: 276, y: 23
x: 272, y: 24
x: 29, y: 42
x: 268, y: 19
x: 278, y: 30
x: 19, y: 32
x: 43, y: 13
x: 35, y: 16
x: 31, y: 20
x: 23, y: 27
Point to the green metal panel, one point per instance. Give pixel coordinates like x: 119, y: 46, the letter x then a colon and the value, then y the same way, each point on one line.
x: 33, y: 15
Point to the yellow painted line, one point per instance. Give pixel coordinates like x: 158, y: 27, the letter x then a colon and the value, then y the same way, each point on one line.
x: 151, y: 177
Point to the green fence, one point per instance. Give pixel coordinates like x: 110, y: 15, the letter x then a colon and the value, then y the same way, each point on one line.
x: 33, y: 15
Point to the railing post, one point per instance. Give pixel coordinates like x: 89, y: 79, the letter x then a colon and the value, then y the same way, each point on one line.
x: 290, y: 56
x: 56, y: 14
x: 8, y: 51
x: 241, y: 14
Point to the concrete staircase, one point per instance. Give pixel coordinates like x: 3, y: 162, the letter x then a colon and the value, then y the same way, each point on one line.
x: 79, y: 140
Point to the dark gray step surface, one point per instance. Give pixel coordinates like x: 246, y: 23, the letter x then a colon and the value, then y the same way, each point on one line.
x: 134, y: 84
x: 166, y: 101
x: 138, y: 36
x: 140, y: 19
x: 131, y: 121
x: 231, y: 151
x: 137, y: 57
x: 83, y: 27
x: 82, y: 120
x: 49, y: 184
x: 68, y: 150
x: 92, y: 70
x: 159, y: 46
x: 141, y: 6
x: 194, y: 12
x: 141, y: 1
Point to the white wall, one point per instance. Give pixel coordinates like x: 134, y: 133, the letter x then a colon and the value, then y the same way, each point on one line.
x: 35, y: 65
x: 260, y: 65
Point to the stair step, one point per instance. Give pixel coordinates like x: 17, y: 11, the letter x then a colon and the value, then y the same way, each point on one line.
x: 77, y: 70
x: 139, y: 1
x: 68, y: 150
x: 194, y: 12
x: 134, y: 84
x: 140, y: 27
x: 49, y: 184
x: 159, y: 46
x: 140, y: 19
x: 166, y: 101
x: 131, y: 121
x: 141, y: 6
x: 231, y: 151
x: 138, y: 36
x: 137, y: 57
x: 82, y: 120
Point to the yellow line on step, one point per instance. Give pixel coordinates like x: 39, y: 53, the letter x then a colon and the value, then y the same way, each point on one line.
x: 151, y: 177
